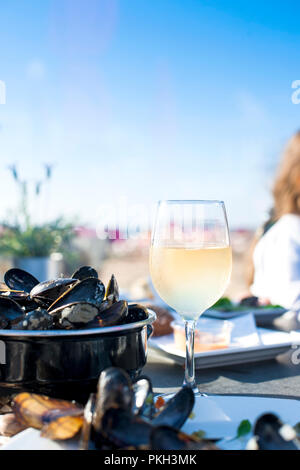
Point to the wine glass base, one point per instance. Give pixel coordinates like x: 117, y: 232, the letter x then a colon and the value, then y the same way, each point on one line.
x: 168, y: 396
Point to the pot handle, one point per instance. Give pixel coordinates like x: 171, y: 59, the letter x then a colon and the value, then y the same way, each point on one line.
x: 149, y: 331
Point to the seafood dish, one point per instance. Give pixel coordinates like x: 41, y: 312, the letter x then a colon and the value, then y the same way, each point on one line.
x: 120, y: 415
x: 78, y: 302
x: 123, y: 414
x: 57, y: 336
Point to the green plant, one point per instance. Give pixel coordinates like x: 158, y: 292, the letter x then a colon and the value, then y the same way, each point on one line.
x: 22, y: 237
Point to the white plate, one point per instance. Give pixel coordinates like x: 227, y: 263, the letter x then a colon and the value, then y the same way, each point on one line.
x: 271, y: 344
x: 217, y: 416
x: 220, y: 416
x: 261, y: 314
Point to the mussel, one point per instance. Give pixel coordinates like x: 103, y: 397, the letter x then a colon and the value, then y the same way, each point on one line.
x: 113, y: 315
x: 89, y: 290
x: 114, y: 391
x: 177, y: 409
x: 84, y: 272
x: 136, y: 312
x: 143, y: 403
x: 18, y: 279
x: 75, y: 314
x: 10, y: 312
x: 38, y: 319
x: 112, y: 290
x: 123, y: 429
x: 45, y: 293
x: 57, y: 419
x: 168, y: 438
x: 119, y: 417
x: 270, y: 433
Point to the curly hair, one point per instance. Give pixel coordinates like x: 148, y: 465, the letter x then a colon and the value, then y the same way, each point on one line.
x: 286, y: 188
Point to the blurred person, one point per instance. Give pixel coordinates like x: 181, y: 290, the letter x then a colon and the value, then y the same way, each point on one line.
x: 276, y: 251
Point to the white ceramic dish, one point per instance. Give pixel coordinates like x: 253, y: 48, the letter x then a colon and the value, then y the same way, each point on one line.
x: 269, y: 345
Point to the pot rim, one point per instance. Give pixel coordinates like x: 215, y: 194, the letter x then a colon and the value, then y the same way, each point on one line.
x: 89, y: 331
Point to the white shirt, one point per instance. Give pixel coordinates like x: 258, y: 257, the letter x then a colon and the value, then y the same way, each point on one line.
x: 277, y: 263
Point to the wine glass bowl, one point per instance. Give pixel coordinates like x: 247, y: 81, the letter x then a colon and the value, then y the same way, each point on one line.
x: 190, y: 261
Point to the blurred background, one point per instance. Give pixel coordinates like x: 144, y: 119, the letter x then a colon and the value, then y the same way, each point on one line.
x: 112, y: 105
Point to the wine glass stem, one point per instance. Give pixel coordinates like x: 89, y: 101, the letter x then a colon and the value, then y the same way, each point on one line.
x: 189, y: 377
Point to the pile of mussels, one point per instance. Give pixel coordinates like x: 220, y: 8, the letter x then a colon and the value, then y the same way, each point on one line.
x: 64, y: 303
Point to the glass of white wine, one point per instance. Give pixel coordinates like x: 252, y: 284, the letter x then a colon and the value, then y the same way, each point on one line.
x: 190, y: 262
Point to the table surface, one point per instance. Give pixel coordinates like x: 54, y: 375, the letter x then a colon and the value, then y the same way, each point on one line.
x: 277, y: 377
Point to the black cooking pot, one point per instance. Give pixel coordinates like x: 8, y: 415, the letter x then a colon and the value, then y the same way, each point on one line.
x: 67, y: 363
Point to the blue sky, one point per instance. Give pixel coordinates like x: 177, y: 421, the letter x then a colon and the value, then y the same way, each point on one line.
x: 139, y: 100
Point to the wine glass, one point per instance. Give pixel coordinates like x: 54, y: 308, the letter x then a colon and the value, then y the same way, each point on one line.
x: 190, y: 262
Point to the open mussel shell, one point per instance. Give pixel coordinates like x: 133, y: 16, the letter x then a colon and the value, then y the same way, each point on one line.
x: 84, y: 272
x: 21, y: 297
x: 10, y: 312
x: 136, y: 312
x: 17, y: 279
x: 272, y: 434
x: 143, y: 397
x: 177, y: 410
x: 168, y: 438
x: 57, y: 419
x: 114, y: 391
x: 112, y: 290
x: 113, y: 315
x: 123, y: 429
x: 16, y: 295
x: 86, y: 431
x: 89, y: 290
x: 45, y: 293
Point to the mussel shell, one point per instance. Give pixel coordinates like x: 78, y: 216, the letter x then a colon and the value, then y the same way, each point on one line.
x: 89, y: 290
x: 113, y: 315
x: 76, y: 312
x: 272, y: 434
x: 10, y: 312
x: 58, y: 419
x: 84, y: 272
x: 177, y: 410
x: 48, y: 291
x: 143, y: 397
x: 167, y: 438
x: 112, y: 290
x: 18, y: 279
x: 21, y: 297
x: 104, y: 305
x: 38, y: 319
x: 123, y: 429
x: 136, y: 312
x: 114, y: 391
x: 86, y: 431
x: 16, y: 295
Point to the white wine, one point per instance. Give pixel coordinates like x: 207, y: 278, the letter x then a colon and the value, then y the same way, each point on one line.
x: 190, y: 280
